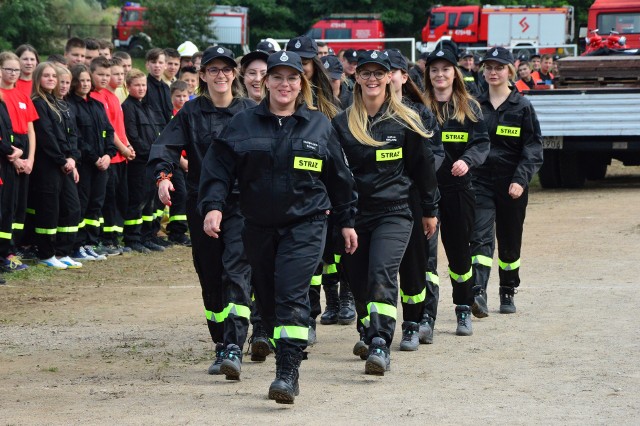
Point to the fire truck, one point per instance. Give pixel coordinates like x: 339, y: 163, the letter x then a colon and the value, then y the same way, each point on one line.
x: 359, y: 26
x: 622, y: 17
x: 229, y: 24
x: 516, y: 27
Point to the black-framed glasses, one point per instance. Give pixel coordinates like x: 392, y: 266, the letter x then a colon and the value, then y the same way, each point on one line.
x: 213, y: 71
x: 378, y: 74
x: 11, y: 70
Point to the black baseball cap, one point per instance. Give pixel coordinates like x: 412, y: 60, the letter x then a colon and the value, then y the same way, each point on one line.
x: 498, y: 54
x: 442, y: 54
x: 266, y: 46
x: 304, y: 46
x: 351, y: 55
x: 397, y: 60
x: 374, y: 57
x: 536, y: 55
x: 466, y: 54
x: 218, y: 52
x: 523, y: 57
x: 424, y: 56
x: 284, y: 58
x: 332, y: 66
x: 252, y: 56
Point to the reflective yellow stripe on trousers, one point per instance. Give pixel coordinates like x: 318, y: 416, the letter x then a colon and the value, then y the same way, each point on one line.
x: 413, y: 300
x: 461, y: 278
x: 509, y: 266
x: 291, y: 332
x: 237, y: 310
x: 482, y: 260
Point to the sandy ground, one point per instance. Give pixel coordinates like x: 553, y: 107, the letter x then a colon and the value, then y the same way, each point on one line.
x: 123, y: 341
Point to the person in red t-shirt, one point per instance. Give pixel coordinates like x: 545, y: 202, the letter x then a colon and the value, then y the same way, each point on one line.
x: 116, y: 198
x: 23, y: 114
x: 29, y: 59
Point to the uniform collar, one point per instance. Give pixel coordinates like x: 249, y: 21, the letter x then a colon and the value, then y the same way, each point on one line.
x: 513, y: 98
x: 301, y: 112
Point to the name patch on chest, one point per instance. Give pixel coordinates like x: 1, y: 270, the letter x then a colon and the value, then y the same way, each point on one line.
x: 508, y: 131
x: 388, y: 154
x: 305, y: 163
x: 455, y: 137
x: 312, y: 146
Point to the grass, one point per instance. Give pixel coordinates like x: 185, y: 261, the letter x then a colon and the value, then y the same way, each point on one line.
x: 51, y: 369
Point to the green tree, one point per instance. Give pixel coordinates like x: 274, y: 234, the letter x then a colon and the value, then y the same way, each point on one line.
x: 26, y: 21
x: 171, y: 22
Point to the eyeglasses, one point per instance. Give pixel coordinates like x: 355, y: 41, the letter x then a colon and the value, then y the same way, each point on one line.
x: 378, y: 74
x: 497, y: 68
x: 213, y: 71
x: 11, y: 70
x: 279, y: 79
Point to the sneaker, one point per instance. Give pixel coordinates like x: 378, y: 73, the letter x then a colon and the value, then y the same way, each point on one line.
x: 259, y: 344
x: 232, y: 362
x: 410, y: 340
x: 52, y: 262
x: 379, y: 359
x: 180, y: 239
x: 138, y: 247
x: 90, y: 250
x: 360, y: 348
x: 214, y: 368
x: 507, y: 305
x: 479, y: 308
x: 463, y: 313
x: 81, y: 255
x: 71, y: 264
x: 162, y: 242
x: 425, y: 330
x: 124, y: 249
x: 107, y: 250
x: 27, y: 254
x: 152, y: 246
x: 12, y: 264
x: 313, y: 338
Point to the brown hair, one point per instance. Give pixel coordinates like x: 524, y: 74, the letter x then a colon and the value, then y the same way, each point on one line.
x: 38, y: 92
x: 461, y: 100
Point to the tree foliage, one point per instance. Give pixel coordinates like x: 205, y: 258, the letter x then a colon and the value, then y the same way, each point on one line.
x: 26, y: 21
x: 171, y: 22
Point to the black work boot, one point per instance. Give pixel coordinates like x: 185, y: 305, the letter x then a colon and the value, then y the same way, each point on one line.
x: 463, y: 313
x: 347, y: 313
x: 410, y: 340
x: 312, y: 339
x: 479, y: 307
x: 330, y: 315
x: 232, y: 362
x: 259, y: 343
x: 425, y: 330
x: 507, y: 305
x: 379, y: 359
x: 360, y: 348
x: 285, y: 387
x: 215, y: 367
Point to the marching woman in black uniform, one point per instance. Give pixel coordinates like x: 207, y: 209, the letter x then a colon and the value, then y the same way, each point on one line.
x: 501, y: 183
x: 221, y: 264
x: 291, y: 172
x: 386, y: 146
x: 466, y: 144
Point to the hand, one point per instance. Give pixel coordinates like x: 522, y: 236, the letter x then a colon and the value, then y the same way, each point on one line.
x: 184, y: 164
x: 350, y: 240
x: 165, y: 187
x: 212, y: 223
x: 429, y: 225
x: 17, y: 153
x: 18, y: 164
x: 129, y: 153
x: 515, y: 190
x: 76, y: 175
x: 460, y: 168
x: 27, y: 166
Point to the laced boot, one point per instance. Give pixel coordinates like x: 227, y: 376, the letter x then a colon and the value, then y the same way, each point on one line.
x: 463, y: 313
x: 507, y: 305
x: 347, y: 313
x: 285, y: 387
x: 360, y: 348
x: 410, y: 340
x: 330, y: 315
x: 232, y: 362
x: 425, y: 330
x: 479, y: 307
x: 259, y: 343
x: 214, y: 368
x: 379, y: 359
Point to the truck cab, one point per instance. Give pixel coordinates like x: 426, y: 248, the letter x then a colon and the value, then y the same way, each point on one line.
x: 349, y: 26
x: 130, y: 24
x: 459, y: 22
x: 622, y: 16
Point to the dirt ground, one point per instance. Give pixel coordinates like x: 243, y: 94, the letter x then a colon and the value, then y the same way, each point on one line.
x: 124, y: 341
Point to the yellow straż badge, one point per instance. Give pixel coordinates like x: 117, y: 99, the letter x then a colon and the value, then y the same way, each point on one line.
x: 305, y: 163
x: 455, y: 137
x: 508, y: 131
x: 388, y: 154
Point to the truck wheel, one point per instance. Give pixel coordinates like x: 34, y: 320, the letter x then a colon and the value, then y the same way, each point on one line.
x: 136, y: 49
x: 595, y: 169
x: 549, y: 173
x: 572, y: 170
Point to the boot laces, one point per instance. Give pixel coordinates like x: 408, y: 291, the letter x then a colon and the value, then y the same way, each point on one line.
x: 462, y: 319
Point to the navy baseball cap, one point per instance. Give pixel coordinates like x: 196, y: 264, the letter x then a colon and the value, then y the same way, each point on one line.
x: 374, y: 57
x: 218, y: 52
x: 266, y: 46
x: 442, y: 54
x: 332, y: 66
x: 523, y: 57
x: 286, y: 59
x: 351, y: 55
x: 498, y: 54
x: 397, y: 60
x: 255, y: 55
x: 304, y: 46
x: 466, y: 54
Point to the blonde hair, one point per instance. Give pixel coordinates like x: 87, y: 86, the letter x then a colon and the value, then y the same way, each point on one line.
x: 461, y: 100
x: 304, y: 97
x: 133, y: 74
x: 358, y: 119
x: 38, y: 91
x: 512, y: 72
x: 59, y: 71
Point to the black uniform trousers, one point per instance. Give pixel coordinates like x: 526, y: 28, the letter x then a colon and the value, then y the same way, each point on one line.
x: 283, y: 261
x: 433, y: 281
x: 372, y: 270
x: 22, y: 198
x: 457, y: 213
x: 178, y: 211
x: 497, y: 214
x: 8, y: 204
x: 92, y: 188
x: 115, y: 203
x: 224, y: 274
x: 142, y: 193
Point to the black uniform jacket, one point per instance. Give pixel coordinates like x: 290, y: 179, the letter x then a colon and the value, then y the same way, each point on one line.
x: 466, y: 141
x: 193, y: 129
x: 384, y: 174
x: 430, y: 122
x: 286, y: 173
x: 6, y: 131
x: 470, y: 82
x: 140, y: 127
x: 55, y: 135
x: 516, y: 140
x: 158, y: 98
x: 95, y: 134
